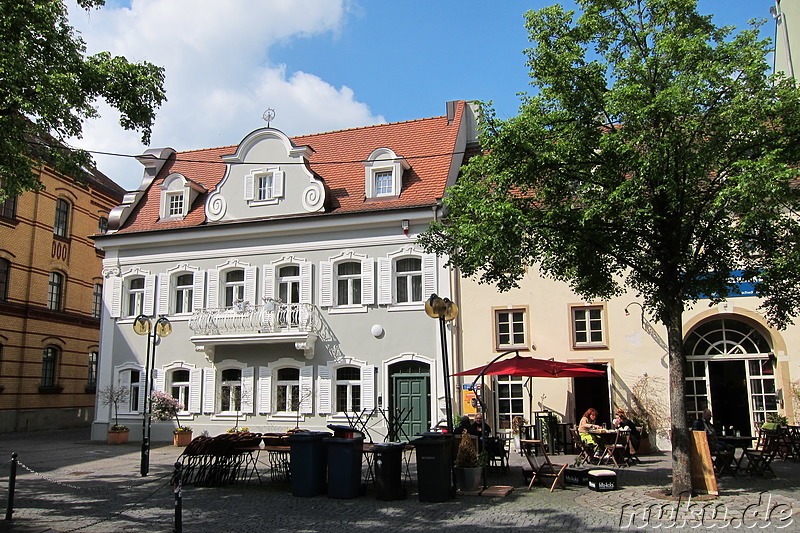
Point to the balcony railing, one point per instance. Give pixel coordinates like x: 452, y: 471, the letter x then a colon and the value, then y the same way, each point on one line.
x: 271, y: 317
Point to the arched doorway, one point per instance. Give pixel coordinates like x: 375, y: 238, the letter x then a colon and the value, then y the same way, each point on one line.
x: 410, y: 398
x: 730, y: 369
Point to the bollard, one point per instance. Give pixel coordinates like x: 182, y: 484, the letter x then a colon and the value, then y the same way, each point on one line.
x: 12, y: 481
x: 177, y: 482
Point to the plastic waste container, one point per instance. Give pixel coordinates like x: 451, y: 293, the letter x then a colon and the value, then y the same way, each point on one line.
x: 345, y: 450
x: 389, y: 471
x: 308, y: 463
x: 434, y: 466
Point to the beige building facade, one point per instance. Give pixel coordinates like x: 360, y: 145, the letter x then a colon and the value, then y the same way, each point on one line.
x: 51, y: 301
x: 738, y: 365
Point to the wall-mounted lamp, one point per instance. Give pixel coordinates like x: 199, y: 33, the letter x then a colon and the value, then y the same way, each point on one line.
x: 404, y: 224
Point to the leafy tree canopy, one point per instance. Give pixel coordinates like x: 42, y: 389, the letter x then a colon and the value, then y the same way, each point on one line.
x: 656, y: 154
x: 48, y: 86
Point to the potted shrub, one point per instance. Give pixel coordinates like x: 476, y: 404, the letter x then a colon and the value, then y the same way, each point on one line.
x: 113, y: 396
x: 164, y: 407
x: 467, y: 465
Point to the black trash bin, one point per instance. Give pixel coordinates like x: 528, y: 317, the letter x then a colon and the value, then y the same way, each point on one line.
x: 345, y: 450
x: 434, y: 466
x: 308, y: 463
x: 389, y: 471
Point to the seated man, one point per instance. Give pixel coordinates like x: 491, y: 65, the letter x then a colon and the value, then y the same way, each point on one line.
x: 704, y: 424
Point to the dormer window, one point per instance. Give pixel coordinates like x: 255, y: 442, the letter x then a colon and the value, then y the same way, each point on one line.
x: 383, y: 174
x: 177, y: 195
x: 263, y: 186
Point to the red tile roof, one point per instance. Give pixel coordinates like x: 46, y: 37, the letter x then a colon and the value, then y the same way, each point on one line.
x: 427, y: 144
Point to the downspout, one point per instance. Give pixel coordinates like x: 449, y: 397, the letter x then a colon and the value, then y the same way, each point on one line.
x: 780, y: 20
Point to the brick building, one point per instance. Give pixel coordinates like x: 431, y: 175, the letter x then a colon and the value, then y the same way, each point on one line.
x: 50, y: 301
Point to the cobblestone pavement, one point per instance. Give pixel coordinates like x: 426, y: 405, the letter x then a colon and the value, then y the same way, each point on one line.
x: 67, y: 483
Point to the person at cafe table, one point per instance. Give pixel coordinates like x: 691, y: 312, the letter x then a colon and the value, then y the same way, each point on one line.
x: 704, y: 424
x: 475, y: 428
x: 621, y: 421
x: 589, y: 422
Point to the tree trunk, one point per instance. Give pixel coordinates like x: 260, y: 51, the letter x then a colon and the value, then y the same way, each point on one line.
x: 681, y: 472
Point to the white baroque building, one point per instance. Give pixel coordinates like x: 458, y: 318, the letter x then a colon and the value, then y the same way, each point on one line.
x: 289, y: 271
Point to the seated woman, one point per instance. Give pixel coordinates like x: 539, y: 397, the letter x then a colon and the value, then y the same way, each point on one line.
x: 464, y: 425
x: 623, y: 422
x: 589, y: 421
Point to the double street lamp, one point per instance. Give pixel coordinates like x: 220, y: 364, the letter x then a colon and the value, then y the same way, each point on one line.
x: 143, y: 326
x: 445, y: 311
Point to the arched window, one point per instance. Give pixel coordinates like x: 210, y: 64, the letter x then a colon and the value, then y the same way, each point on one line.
x: 287, y: 389
x: 5, y: 272
x: 55, y: 292
x: 408, y: 280
x: 348, y: 389
x: 135, y: 296
x: 179, y: 383
x: 231, y: 390
x: 234, y: 287
x: 49, y: 365
x: 60, y: 226
x: 184, y: 291
x: 348, y: 283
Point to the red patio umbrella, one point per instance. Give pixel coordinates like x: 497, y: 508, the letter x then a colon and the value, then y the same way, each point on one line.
x: 520, y: 365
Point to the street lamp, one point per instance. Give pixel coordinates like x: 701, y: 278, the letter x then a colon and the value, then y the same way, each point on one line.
x: 444, y: 310
x: 143, y: 326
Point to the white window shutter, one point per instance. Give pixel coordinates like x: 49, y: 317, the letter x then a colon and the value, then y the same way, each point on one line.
x: 149, y: 294
x: 124, y: 383
x: 198, y: 290
x: 384, y: 281
x: 209, y: 390
x: 326, y: 284
x: 142, y: 386
x: 368, y: 387
x: 195, y: 377
x: 307, y: 390
x: 249, y: 187
x: 305, y: 282
x: 213, y: 288
x: 113, y: 294
x: 268, y: 281
x: 159, y: 380
x: 277, y: 183
x: 163, y: 294
x: 428, y: 275
x: 250, y: 285
x: 368, y: 281
x: 247, y: 389
x: 324, y: 384
x: 264, y: 390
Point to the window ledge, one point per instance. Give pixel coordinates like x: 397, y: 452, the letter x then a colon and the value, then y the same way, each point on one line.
x: 347, y: 309
x: 599, y: 346
x: 54, y: 389
x: 415, y: 306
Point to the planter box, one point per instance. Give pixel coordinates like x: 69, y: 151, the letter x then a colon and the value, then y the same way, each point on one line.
x: 118, y: 437
x: 181, y: 438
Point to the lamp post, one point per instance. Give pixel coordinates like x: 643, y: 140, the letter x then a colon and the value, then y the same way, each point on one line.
x: 143, y: 326
x: 444, y: 310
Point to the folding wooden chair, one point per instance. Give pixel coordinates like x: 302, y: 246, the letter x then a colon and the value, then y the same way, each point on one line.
x: 615, y: 451
x: 543, y: 470
x: 759, y: 459
x: 585, y: 453
x: 498, y: 451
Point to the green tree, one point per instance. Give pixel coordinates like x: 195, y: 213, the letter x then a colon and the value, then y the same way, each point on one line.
x: 48, y: 86
x: 656, y: 155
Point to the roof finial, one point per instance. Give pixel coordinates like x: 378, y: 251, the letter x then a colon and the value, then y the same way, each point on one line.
x: 268, y: 116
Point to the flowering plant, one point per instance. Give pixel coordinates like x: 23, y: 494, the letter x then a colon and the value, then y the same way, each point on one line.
x: 516, y: 424
x: 239, y: 430
x: 165, y: 407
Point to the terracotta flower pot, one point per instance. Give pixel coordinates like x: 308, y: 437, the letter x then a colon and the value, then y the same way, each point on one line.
x: 181, y: 438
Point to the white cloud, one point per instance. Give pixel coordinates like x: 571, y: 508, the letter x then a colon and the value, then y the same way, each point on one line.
x: 219, y: 79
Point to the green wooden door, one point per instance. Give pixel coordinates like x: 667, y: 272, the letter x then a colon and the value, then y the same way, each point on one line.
x: 412, y: 401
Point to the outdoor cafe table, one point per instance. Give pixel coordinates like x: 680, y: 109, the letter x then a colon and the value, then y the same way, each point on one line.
x: 742, y: 443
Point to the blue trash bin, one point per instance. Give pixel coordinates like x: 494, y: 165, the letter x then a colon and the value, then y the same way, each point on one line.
x: 308, y: 463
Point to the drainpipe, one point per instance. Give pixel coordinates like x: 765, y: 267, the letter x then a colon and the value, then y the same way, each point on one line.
x: 780, y: 20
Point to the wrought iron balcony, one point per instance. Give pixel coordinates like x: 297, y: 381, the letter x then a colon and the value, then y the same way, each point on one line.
x: 269, y: 323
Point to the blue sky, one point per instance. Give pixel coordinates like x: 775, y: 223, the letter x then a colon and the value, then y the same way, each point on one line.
x: 321, y: 64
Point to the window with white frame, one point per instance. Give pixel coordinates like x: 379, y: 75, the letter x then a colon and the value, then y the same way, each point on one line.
x: 135, y: 294
x: 233, y: 286
x: 263, y: 186
x: 133, y: 379
x: 383, y: 173
x: 348, y: 283
x: 408, y: 280
x: 510, y: 399
x: 348, y: 389
x: 230, y: 390
x: 384, y: 185
x: 510, y: 329
x: 175, y: 204
x: 289, y: 284
x: 184, y: 293
x: 287, y: 389
x: 588, y: 327
x: 179, y: 386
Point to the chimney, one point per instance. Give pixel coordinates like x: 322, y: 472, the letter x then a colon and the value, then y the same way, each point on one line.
x: 451, y: 111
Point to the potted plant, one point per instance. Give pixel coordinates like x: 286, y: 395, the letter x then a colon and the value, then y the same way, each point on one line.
x: 467, y: 466
x: 164, y: 407
x: 113, y: 396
